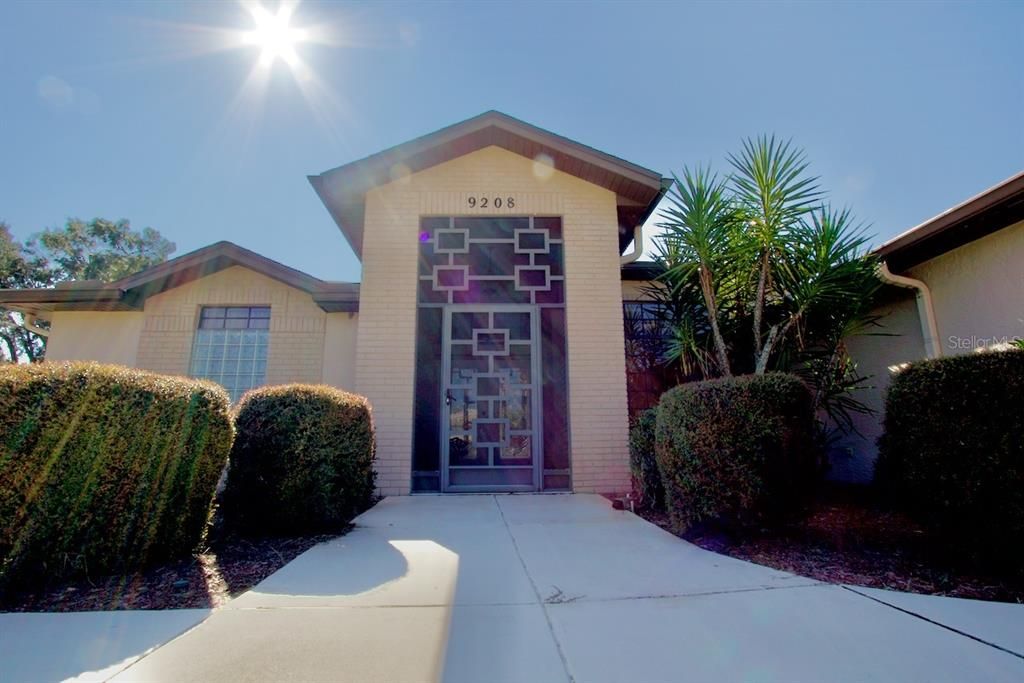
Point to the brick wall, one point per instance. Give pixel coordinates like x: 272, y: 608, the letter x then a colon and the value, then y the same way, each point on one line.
x: 296, y: 324
x: 387, y: 313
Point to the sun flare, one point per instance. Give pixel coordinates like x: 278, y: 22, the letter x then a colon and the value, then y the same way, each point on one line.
x: 275, y: 36
x: 273, y: 31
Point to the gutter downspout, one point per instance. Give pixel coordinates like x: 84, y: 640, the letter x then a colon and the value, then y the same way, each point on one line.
x: 925, y: 308
x: 638, y: 246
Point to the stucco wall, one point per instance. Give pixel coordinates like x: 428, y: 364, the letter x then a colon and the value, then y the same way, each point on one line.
x: 297, y: 324
x: 978, y: 295
x: 106, y: 337
x: 978, y: 291
x: 387, y: 314
x: 898, y: 340
x: 340, y: 336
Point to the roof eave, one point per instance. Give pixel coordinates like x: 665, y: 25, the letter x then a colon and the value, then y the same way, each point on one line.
x: 971, y: 209
x: 479, y: 122
x: 35, y: 301
x: 641, y: 271
x: 355, y: 179
x: 354, y: 240
x: 130, y: 293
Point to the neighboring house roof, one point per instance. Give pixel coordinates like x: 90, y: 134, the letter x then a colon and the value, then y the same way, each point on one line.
x: 642, y: 270
x: 343, y: 189
x: 994, y: 209
x: 130, y: 293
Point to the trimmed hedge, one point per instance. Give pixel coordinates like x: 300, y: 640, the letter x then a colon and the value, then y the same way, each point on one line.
x: 643, y: 461
x: 736, y: 451
x: 104, y: 468
x: 952, y: 452
x: 302, y: 460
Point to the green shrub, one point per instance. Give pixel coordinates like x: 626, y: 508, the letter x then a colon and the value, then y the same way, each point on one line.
x: 643, y: 462
x: 952, y: 452
x: 736, y: 451
x: 302, y: 460
x: 103, y: 468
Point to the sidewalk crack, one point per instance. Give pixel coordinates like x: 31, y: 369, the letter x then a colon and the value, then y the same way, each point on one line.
x: 536, y: 591
x: 965, y: 634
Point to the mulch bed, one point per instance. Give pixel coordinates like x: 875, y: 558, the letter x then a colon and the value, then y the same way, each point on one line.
x: 847, y: 537
x: 229, y: 566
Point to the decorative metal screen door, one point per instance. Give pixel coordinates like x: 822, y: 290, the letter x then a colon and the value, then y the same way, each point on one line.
x: 490, y: 422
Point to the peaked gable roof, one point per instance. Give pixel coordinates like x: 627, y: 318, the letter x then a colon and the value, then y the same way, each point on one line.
x: 343, y: 189
x: 130, y: 293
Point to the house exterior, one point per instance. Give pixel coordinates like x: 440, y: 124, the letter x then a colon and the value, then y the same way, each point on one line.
x: 954, y: 285
x: 499, y: 331
x: 487, y: 331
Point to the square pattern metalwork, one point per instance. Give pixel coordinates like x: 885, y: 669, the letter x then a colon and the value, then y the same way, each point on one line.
x: 533, y: 278
x: 489, y: 385
x: 532, y: 241
x: 491, y: 432
x: 451, y: 278
x: 489, y: 342
x: 491, y: 260
x: 451, y: 241
x: 497, y: 360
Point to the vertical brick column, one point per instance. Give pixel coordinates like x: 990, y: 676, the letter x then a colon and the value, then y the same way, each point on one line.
x: 385, y: 350
x: 597, y: 362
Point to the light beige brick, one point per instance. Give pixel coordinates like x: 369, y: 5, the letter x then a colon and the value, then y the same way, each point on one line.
x: 386, y: 335
x: 297, y: 324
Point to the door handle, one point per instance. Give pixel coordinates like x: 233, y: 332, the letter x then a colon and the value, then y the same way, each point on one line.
x: 448, y: 398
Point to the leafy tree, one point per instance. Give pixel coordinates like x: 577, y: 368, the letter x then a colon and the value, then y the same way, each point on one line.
x: 18, y: 270
x: 95, y: 250
x: 99, y: 250
x: 761, y: 274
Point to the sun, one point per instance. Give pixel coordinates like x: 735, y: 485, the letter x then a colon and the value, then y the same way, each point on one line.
x: 275, y: 36
x: 274, y: 31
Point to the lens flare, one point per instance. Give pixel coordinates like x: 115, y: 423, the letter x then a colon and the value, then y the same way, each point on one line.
x: 275, y: 36
x: 272, y: 31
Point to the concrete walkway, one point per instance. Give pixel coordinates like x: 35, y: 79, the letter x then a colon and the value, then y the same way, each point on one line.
x: 563, y: 588
x: 84, y: 646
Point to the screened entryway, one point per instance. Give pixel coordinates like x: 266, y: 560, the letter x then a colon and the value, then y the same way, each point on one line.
x: 490, y: 415
x: 491, y: 410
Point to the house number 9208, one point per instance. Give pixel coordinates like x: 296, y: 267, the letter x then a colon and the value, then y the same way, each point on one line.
x: 492, y: 202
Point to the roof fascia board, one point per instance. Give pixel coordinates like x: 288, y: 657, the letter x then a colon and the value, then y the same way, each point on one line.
x: 231, y: 253
x: 130, y: 293
x: 347, y: 185
x: 972, y: 207
x: 386, y: 158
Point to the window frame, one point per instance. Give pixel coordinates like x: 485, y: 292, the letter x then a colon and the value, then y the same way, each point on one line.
x: 216, y: 344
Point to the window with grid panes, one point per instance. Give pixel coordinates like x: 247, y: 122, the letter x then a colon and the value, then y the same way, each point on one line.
x: 230, y: 347
x: 648, y: 332
x: 648, y: 336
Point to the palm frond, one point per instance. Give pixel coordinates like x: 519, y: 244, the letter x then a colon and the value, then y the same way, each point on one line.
x: 769, y: 180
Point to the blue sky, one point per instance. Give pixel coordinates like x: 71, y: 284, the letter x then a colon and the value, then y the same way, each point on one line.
x: 125, y: 110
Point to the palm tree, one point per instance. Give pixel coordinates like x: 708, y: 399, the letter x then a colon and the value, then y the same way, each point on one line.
x: 771, y: 187
x: 698, y: 225
x: 828, y: 286
x: 760, y: 275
